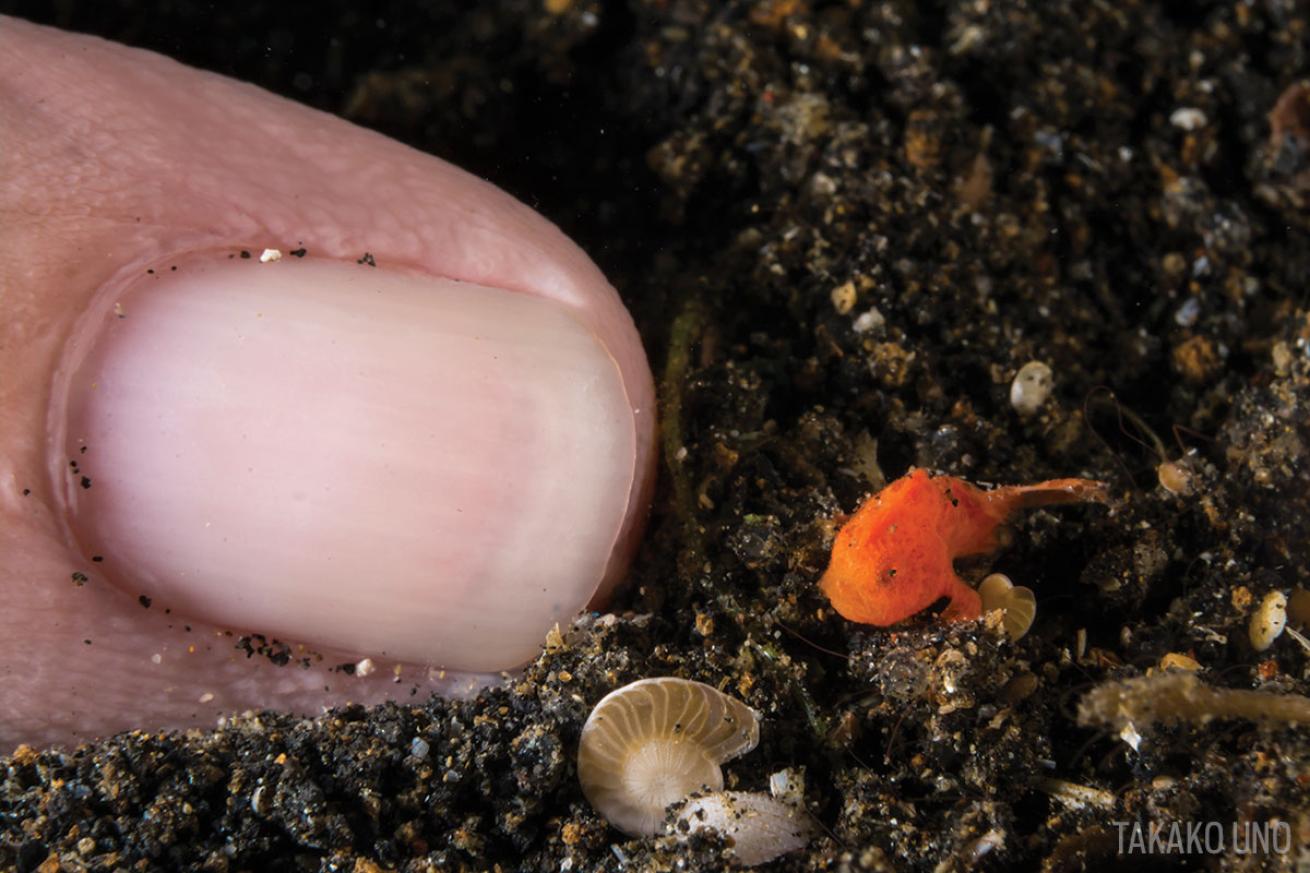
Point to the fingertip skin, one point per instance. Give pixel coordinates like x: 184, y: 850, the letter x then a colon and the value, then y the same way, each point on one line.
x: 118, y: 161
x: 357, y: 458
x: 110, y: 155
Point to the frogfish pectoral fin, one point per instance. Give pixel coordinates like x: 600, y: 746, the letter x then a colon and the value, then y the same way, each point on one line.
x: 965, y: 603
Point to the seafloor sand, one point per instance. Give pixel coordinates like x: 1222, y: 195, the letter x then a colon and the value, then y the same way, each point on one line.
x: 842, y: 227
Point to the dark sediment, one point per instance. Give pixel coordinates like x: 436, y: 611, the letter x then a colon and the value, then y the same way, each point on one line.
x: 842, y: 228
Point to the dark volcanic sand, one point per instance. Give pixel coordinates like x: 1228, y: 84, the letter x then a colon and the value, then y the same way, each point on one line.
x: 1089, y: 184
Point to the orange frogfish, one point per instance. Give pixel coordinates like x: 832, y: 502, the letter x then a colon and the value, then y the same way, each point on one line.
x: 893, y: 558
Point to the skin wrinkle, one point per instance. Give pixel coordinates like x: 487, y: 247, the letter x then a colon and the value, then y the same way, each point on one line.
x: 109, y: 188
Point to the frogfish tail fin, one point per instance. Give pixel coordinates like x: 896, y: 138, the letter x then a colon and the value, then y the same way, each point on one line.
x: 1056, y: 491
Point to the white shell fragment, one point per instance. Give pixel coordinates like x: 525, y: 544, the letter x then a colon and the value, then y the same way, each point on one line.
x: 1076, y: 796
x: 1268, y: 621
x: 656, y: 741
x: 1031, y: 387
x: 788, y: 785
x: 760, y: 827
x: 1187, y: 118
x: 1018, y: 603
x: 868, y: 322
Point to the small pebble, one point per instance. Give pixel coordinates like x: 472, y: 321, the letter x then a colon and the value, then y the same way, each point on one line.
x: 1031, y: 387
x: 1268, y: 621
x: 1188, y: 313
x: 1179, y: 661
x: 1019, y: 688
x: 867, y: 322
x: 1187, y: 118
x: 843, y: 298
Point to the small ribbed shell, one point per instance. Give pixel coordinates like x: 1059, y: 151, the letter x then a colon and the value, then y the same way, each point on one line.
x: 1018, y: 603
x: 653, y: 743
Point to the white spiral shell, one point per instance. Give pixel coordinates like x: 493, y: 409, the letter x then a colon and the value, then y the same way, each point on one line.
x: 654, y: 742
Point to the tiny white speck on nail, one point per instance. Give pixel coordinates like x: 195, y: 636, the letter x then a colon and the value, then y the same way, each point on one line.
x: 270, y: 255
x: 156, y: 658
x: 206, y: 697
x: 365, y: 667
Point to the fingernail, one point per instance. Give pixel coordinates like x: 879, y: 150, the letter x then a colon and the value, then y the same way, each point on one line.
x: 353, y: 457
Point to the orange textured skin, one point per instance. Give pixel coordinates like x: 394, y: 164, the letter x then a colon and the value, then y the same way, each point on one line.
x: 895, y: 556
